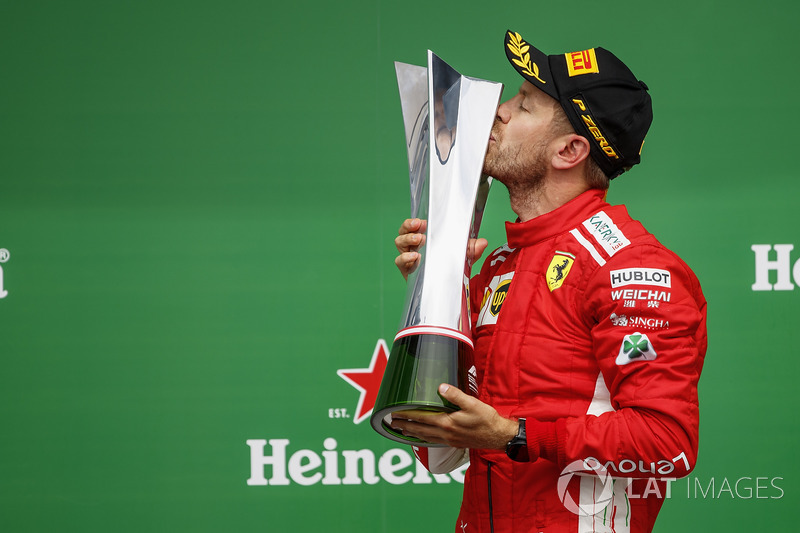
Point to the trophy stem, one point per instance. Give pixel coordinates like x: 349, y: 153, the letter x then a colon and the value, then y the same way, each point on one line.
x: 421, y: 359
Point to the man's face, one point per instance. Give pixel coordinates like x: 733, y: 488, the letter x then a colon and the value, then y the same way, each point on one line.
x: 517, y: 152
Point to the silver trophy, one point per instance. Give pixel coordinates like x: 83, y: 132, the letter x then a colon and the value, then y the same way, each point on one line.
x: 448, y: 120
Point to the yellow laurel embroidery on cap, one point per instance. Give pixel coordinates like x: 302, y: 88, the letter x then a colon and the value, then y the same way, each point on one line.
x: 520, y: 49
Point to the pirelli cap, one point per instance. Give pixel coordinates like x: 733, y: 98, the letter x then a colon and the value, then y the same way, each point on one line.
x: 602, y: 98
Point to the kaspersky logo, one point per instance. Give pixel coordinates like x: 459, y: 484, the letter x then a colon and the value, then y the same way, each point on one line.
x: 275, y: 462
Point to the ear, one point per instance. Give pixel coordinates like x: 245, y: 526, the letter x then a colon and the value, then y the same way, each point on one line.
x: 571, y: 150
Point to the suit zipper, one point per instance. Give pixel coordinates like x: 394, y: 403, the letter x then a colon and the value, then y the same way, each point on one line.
x: 489, y: 484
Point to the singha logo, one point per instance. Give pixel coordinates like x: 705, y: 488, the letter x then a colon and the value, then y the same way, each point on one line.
x: 619, y: 320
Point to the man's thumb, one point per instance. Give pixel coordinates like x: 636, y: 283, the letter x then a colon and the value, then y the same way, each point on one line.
x: 451, y: 394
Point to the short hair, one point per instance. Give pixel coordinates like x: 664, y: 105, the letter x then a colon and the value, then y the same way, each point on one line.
x: 560, y: 125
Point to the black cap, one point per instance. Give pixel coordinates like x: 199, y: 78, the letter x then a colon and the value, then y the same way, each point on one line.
x: 600, y: 95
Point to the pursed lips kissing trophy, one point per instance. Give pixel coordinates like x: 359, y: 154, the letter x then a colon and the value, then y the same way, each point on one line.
x: 434, y: 343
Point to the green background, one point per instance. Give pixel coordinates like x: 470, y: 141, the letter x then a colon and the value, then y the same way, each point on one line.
x: 199, y: 200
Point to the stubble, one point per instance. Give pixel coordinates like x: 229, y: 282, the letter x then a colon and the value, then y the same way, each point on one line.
x: 520, y: 168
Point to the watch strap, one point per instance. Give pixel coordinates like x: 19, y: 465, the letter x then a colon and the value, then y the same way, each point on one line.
x: 517, y: 448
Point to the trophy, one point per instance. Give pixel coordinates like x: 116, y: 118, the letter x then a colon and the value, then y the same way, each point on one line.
x: 448, y: 119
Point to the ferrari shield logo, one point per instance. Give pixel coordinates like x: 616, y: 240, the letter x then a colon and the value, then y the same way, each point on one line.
x: 559, y: 269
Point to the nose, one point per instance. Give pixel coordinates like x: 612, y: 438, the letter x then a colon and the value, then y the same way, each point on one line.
x: 504, y: 112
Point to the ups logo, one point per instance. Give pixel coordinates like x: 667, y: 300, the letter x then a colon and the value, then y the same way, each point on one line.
x: 499, y: 297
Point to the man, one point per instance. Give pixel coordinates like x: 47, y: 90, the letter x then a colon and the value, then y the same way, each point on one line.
x: 591, y: 360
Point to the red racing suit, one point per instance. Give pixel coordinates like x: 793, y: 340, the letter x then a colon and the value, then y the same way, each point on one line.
x: 595, y: 333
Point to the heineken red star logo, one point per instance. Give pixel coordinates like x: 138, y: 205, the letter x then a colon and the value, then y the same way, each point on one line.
x: 367, y: 380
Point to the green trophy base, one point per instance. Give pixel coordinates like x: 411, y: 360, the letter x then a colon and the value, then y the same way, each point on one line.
x: 418, y: 364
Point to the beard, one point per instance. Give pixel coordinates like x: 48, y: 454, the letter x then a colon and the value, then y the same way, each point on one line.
x: 520, y: 169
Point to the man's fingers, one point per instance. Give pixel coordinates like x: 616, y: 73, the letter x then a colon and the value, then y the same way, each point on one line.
x: 409, y: 242
x: 419, y: 415
x: 407, y: 263
x: 480, y: 247
x: 409, y: 225
x: 476, y: 248
x: 423, y: 425
x: 411, y: 236
x: 413, y: 225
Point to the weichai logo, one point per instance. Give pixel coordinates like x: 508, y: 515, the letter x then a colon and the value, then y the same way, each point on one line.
x: 641, y: 294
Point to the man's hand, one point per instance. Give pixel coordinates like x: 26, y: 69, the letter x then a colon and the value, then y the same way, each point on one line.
x: 477, y: 425
x: 411, y: 237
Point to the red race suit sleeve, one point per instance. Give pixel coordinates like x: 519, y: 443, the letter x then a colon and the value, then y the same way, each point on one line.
x: 647, y: 316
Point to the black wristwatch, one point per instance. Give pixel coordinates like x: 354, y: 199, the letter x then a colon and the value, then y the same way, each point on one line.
x: 517, y: 448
